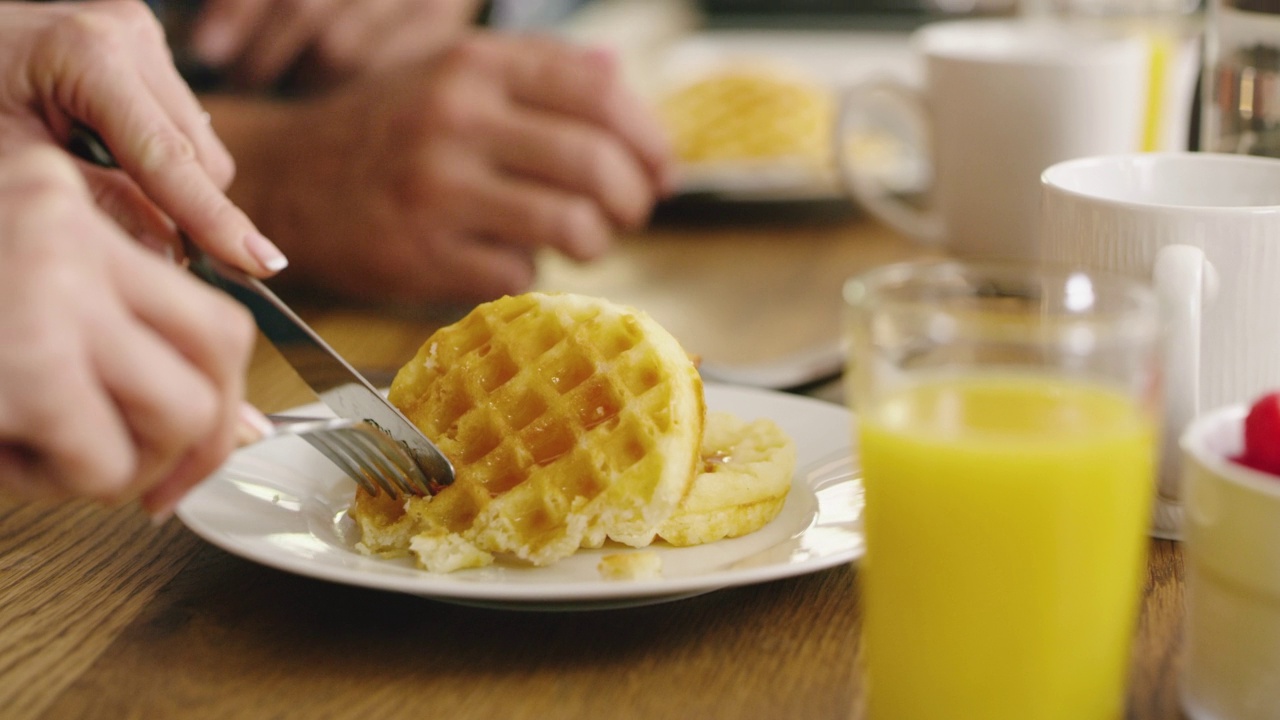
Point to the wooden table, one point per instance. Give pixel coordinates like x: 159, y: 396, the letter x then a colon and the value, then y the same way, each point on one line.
x: 104, y: 615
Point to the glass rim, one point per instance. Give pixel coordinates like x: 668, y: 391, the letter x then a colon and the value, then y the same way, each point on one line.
x: 1134, y: 298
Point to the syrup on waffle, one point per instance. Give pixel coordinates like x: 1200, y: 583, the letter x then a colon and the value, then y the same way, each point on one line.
x: 741, y: 485
x: 569, y: 420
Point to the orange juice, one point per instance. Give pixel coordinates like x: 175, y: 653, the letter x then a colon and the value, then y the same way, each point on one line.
x: 1005, y: 523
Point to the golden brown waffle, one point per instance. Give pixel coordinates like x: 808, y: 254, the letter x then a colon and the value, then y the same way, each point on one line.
x: 750, y: 115
x: 569, y: 420
x: 742, y: 484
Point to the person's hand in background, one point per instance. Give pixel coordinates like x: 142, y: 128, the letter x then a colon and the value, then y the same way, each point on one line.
x: 320, y: 43
x: 105, y: 65
x: 439, y: 182
x: 121, y: 376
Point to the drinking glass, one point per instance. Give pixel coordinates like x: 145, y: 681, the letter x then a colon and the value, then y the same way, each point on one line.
x: 1007, y: 421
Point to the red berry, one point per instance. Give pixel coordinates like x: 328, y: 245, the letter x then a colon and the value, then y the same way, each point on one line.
x: 1262, y: 435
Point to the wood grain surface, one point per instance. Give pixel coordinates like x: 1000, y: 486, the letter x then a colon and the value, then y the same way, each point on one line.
x: 104, y: 615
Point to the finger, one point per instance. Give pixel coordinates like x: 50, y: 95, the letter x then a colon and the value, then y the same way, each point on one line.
x: 34, y: 166
x: 467, y: 268
x: 124, y: 42
x: 355, y: 36
x: 162, y: 160
x: 199, y: 463
x: 121, y: 200
x: 191, y: 119
x: 160, y: 501
x: 212, y: 333
x: 204, y: 325
x: 52, y: 407
x: 62, y: 429
x: 586, y: 83
x: 393, y: 32
x: 155, y: 62
x: 513, y: 210
x: 280, y: 39
x: 168, y: 404
x: 105, y: 91
x: 223, y: 27
x: 578, y: 158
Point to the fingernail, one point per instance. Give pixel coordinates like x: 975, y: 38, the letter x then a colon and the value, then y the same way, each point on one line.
x: 253, y: 427
x: 213, y: 42
x: 266, y: 253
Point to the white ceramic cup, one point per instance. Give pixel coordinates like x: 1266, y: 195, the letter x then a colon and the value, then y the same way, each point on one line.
x: 1002, y: 100
x: 1232, y: 667
x: 1205, y: 229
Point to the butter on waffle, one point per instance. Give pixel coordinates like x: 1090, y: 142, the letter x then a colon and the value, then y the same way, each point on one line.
x: 569, y: 420
x: 750, y: 114
x: 742, y: 484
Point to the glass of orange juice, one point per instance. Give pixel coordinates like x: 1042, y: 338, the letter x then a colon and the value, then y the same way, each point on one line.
x: 1007, y: 430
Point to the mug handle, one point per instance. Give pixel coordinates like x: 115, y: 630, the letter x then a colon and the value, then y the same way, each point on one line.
x: 1185, y: 282
x: 924, y: 224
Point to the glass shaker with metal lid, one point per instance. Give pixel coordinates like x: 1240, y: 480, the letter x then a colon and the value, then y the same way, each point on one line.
x: 1240, y: 104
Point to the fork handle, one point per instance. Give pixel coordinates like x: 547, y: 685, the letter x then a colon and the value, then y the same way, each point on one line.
x: 248, y: 434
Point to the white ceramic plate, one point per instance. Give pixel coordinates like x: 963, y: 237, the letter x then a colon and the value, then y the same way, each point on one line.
x: 282, y: 504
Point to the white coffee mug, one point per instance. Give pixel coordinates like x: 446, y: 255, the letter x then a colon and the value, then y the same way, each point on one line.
x: 1205, y: 229
x: 1002, y: 100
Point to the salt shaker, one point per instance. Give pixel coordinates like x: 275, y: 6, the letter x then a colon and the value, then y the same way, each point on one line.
x: 1240, y: 104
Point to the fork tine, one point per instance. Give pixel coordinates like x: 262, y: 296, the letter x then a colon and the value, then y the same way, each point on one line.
x: 373, y: 459
x: 377, y: 453
x: 372, y: 456
x: 406, y: 471
x: 323, y: 442
x: 367, y: 461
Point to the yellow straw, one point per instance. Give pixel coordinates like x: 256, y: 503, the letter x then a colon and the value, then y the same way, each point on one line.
x: 1160, y: 48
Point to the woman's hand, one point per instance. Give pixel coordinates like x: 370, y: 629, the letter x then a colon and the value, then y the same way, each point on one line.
x: 121, y: 376
x: 105, y: 65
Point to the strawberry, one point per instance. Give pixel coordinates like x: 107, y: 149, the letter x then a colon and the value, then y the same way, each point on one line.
x: 1262, y: 435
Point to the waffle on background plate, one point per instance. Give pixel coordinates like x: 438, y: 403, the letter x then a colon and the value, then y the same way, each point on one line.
x: 571, y: 421
x: 751, y: 126
x: 750, y: 113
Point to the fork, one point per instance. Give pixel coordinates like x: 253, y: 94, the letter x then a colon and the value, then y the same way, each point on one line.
x: 367, y: 455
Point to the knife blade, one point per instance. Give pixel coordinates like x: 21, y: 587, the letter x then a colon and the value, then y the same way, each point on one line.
x: 338, y: 385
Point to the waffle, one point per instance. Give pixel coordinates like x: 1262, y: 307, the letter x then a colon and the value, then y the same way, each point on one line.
x: 742, y: 484
x: 570, y: 420
x: 749, y: 115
